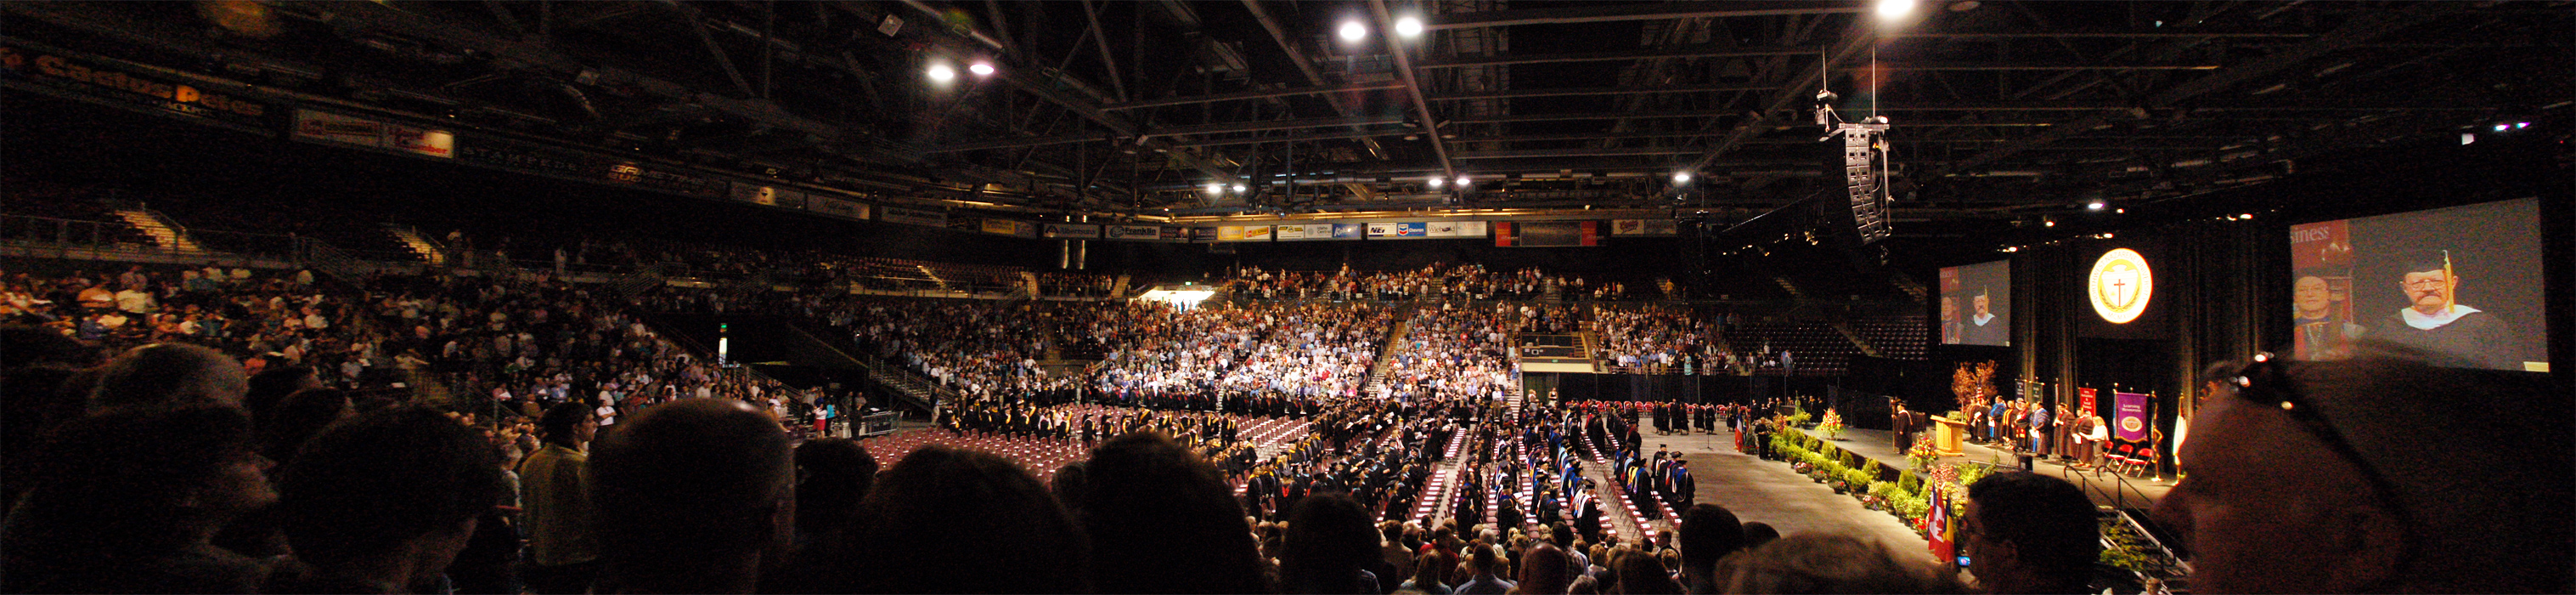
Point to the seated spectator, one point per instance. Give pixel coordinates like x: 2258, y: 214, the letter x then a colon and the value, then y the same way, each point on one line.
x: 2346, y: 476
x: 2029, y: 533
x: 692, y: 496
x: 945, y: 520
x: 128, y: 500
x: 1329, y: 547
x: 298, y: 418
x: 1161, y: 520
x: 383, y: 502
x: 1825, y: 563
x: 170, y: 374
x: 1708, y: 533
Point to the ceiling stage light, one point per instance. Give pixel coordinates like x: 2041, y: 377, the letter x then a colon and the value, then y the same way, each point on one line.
x: 1354, y: 31
x: 981, y: 69
x: 1408, y: 27
x: 1895, y: 8
x: 1436, y: 182
x: 942, y: 73
x: 1681, y: 177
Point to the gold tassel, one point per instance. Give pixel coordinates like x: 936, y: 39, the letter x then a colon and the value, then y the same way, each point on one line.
x: 2451, y: 287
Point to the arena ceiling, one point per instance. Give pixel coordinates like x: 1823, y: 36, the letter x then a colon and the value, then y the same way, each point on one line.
x: 1999, y: 109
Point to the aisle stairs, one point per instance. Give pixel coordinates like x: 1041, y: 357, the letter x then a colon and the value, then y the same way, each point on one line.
x: 420, y: 245
x: 165, y: 234
x: 1387, y: 347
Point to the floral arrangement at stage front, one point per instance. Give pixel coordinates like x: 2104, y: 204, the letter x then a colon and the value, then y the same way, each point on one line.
x: 1832, y: 426
x: 1921, y: 457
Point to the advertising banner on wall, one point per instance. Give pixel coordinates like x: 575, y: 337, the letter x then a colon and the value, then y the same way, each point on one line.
x: 845, y: 209
x: 1548, y: 234
x: 107, y: 81
x: 1072, y: 230
x: 1456, y: 229
x: 2129, y: 421
x: 1243, y: 233
x: 1349, y: 231
x: 331, y: 128
x: 1010, y: 227
x: 912, y: 216
x: 1644, y: 227
x: 1134, y: 232
x: 1399, y: 231
x: 1310, y: 231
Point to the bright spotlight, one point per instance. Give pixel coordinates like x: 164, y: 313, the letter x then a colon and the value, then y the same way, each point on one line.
x: 1239, y: 188
x: 2094, y: 206
x: 2503, y: 127
x: 941, y: 73
x: 980, y: 69
x: 1354, y: 31
x: 1215, y: 188
x: 1408, y: 27
x: 1681, y: 177
x: 1437, y: 182
x: 1462, y: 182
x: 2522, y: 125
x: 1894, y: 8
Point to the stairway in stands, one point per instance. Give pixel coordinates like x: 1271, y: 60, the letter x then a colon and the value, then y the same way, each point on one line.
x: 1387, y: 348
x: 420, y: 245
x: 1909, y: 285
x: 167, y: 235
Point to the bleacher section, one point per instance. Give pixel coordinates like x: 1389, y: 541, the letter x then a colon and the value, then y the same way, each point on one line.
x: 1896, y: 337
x: 1815, y: 348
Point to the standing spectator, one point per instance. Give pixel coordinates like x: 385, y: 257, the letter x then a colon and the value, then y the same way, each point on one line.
x: 1330, y: 546
x: 945, y: 520
x: 554, y: 489
x: 127, y: 501
x: 693, y: 496
x: 383, y: 502
x: 1162, y: 520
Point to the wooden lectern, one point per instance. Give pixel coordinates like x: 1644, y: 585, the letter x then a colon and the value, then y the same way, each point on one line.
x: 1946, y: 435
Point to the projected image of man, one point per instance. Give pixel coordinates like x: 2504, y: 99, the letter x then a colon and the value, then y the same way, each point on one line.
x: 1984, y: 328
x: 2434, y: 320
x: 1950, y: 325
x: 2322, y: 334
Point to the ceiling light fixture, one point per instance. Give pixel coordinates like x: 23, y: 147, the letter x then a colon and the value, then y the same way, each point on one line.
x: 1354, y: 31
x: 1889, y: 9
x: 1408, y: 27
x: 941, y: 73
x: 1681, y: 177
x: 1436, y: 181
x: 980, y: 69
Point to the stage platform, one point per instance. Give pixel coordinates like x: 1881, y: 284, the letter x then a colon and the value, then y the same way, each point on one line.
x: 2106, y: 488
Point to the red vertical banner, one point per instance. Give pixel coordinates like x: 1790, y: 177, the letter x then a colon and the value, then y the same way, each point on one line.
x: 1503, y: 234
x: 2084, y: 397
x: 1591, y: 233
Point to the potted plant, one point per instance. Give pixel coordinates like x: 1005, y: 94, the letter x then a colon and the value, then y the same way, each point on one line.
x: 1832, y: 427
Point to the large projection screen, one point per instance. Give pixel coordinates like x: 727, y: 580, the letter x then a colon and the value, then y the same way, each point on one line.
x: 1976, y: 305
x: 2461, y: 282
